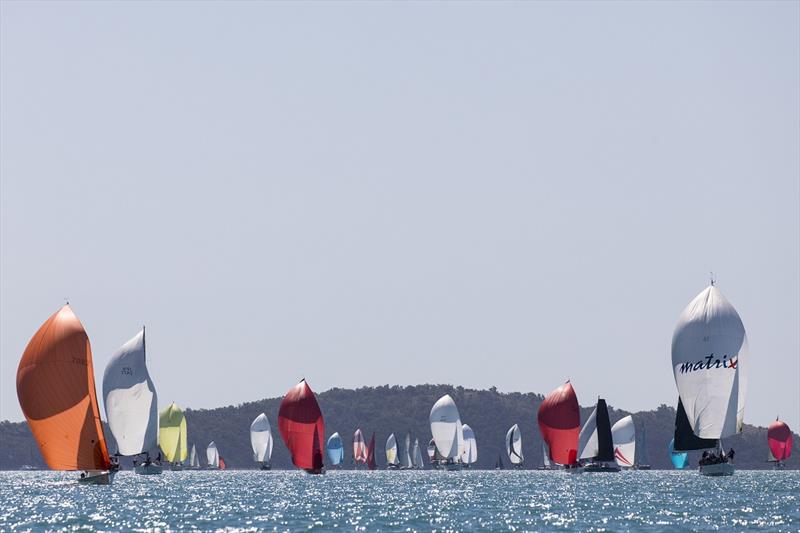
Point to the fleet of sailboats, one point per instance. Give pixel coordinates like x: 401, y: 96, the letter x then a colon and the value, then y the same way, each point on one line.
x: 56, y: 390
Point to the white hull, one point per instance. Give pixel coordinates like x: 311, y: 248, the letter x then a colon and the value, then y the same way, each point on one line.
x: 97, y: 478
x: 718, y: 469
x: 149, y: 470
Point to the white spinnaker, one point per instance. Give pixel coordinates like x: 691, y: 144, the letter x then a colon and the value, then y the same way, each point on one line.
x: 194, y: 460
x: 212, y: 454
x: 587, y: 440
x: 417, y: 457
x: 514, y: 445
x: 261, y: 439
x: 623, y: 433
x: 446, y: 428
x: 391, y: 450
x: 130, y: 399
x: 470, y: 455
x: 708, y: 337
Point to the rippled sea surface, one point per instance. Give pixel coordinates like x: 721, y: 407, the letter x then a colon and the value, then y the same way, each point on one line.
x: 409, y: 501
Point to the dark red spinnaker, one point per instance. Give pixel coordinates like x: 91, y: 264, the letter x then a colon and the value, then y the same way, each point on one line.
x: 221, y: 463
x: 779, y: 438
x: 560, y: 424
x: 302, y: 427
x: 371, y: 453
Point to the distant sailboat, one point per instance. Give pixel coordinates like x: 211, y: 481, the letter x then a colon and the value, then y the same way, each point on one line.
x: 302, y: 428
x: 546, y: 464
x: 212, y: 456
x: 359, y: 448
x: 172, y: 435
x: 432, y: 452
x: 596, y: 444
x: 498, y: 465
x: 642, y: 455
x: 680, y: 460
x: 559, y: 420
x: 623, y: 435
x: 514, y: 446
x: 408, y: 461
x: 447, y: 431
x: 470, y: 456
x: 371, y: 465
x: 56, y: 391
x: 780, y: 440
x: 392, y: 460
x: 261, y: 441
x: 131, y: 404
x: 194, y: 459
x: 335, y: 450
x: 416, y: 456
x: 709, y: 361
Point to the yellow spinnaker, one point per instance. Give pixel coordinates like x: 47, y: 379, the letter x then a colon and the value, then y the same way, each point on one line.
x: 172, y: 434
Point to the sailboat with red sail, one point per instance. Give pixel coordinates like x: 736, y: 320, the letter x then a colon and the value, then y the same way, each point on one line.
x: 302, y: 428
x: 56, y: 390
x: 559, y: 420
x: 779, y: 439
x: 371, y: 453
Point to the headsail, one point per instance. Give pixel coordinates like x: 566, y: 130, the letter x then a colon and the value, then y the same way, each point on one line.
x: 371, y: 453
x: 302, y: 427
x: 408, y: 462
x: 55, y: 387
x: 261, y: 439
x: 779, y: 438
x: 417, y: 455
x: 130, y: 400
x: 470, y: 455
x: 595, y: 437
x: 432, y: 450
x: 514, y: 445
x: 685, y: 439
x: 560, y: 422
x: 172, y: 434
x: 709, y: 361
x: 623, y: 434
x: 212, y: 455
x: 391, y: 451
x: 545, y: 455
x: 446, y: 428
x: 194, y: 460
x: 335, y: 449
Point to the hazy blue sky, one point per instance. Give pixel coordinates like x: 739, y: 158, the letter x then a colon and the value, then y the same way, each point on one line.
x: 505, y: 194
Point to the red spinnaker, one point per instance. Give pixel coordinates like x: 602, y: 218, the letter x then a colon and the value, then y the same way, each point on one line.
x: 371, y: 453
x: 302, y: 427
x: 779, y: 438
x: 221, y: 463
x: 560, y: 424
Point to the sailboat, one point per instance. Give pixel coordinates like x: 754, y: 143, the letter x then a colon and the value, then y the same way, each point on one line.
x: 416, y: 456
x: 623, y: 435
x: 194, y: 459
x: 359, y: 448
x: 546, y: 464
x: 709, y: 362
x: 172, y: 435
x: 514, y: 446
x: 392, y: 460
x: 261, y: 441
x: 131, y: 404
x: 680, y: 460
x: 780, y: 440
x: 335, y: 450
x: 595, y: 443
x: 407, y: 462
x: 212, y: 456
x: 470, y: 455
x: 498, y: 465
x: 642, y: 456
x: 448, y: 433
x: 559, y: 419
x: 302, y: 428
x: 432, y: 453
x: 371, y: 453
x: 56, y: 391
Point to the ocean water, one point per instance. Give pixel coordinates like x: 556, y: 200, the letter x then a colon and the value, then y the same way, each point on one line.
x: 405, y: 500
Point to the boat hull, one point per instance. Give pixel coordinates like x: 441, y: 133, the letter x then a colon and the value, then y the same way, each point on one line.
x: 148, y: 470
x: 643, y: 467
x: 717, y: 470
x: 176, y: 467
x: 97, y: 478
x: 601, y: 467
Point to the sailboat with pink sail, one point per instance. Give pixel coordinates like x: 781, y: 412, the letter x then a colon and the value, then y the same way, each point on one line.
x: 779, y: 440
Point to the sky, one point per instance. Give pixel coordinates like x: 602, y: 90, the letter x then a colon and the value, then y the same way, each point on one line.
x: 483, y: 194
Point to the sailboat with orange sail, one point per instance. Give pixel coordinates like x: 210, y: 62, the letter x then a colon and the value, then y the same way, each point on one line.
x: 56, y: 390
x: 302, y: 428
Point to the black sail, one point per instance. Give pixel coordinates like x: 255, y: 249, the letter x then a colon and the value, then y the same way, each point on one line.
x: 685, y: 439
x: 605, y: 444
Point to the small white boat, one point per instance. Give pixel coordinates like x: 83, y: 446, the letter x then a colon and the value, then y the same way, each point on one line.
x: 148, y: 469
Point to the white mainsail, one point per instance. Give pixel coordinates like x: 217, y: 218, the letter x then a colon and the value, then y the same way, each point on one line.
x: 261, y: 439
x: 391, y: 450
x: 212, y: 454
x: 417, y: 455
x: 623, y: 434
x: 446, y: 428
x: 709, y: 361
x: 514, y: 445
x: 546, y: 454
x: 407, y: 460
x: 130, y: 399
x: 470, y: 455
x: 587, y: 440
x: 194, y: 460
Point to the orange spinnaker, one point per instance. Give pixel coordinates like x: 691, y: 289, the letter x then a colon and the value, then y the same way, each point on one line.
x: 55, y: 386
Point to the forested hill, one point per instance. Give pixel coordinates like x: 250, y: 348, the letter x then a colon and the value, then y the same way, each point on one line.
x: 397, y: 410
